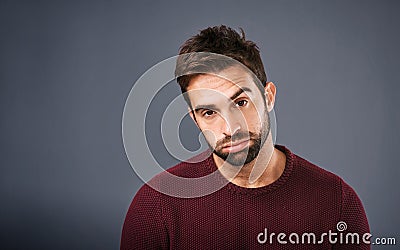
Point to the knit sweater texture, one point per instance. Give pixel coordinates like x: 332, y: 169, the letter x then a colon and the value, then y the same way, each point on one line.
x: 304, y: 200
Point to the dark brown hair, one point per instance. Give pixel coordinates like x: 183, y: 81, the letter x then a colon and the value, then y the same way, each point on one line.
x: 219, y: 40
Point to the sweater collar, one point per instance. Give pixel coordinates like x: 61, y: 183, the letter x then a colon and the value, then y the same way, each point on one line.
x: 261, y: 190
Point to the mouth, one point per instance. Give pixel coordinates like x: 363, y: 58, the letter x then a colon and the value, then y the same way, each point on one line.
x: 236, y: 146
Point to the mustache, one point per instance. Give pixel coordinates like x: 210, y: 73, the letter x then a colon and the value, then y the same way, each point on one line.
x: 238, y: 136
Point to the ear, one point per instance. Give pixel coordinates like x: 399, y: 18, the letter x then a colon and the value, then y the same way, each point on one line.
x: 270, y: 93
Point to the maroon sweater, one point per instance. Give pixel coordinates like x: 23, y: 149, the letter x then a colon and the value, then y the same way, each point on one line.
x: 305, y: 199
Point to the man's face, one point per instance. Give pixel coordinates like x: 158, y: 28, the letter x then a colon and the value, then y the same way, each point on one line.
x: 232, y: 114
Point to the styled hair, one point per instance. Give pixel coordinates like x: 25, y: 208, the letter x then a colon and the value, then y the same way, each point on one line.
x: 221, y: 40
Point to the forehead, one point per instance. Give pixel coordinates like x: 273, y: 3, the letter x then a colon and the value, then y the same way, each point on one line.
x: 209, y: 87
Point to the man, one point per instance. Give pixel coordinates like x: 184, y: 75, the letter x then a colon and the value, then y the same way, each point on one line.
x: 271, y: 198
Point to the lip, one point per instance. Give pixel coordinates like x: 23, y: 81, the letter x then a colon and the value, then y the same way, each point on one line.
x: 236, y: 146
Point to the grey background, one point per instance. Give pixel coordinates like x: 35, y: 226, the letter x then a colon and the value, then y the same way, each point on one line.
x: 67, y: 68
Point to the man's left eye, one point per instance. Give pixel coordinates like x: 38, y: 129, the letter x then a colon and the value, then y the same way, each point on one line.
x: 241, y: 103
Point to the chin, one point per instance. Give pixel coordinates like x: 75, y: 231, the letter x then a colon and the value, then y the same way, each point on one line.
x: 238, y: 159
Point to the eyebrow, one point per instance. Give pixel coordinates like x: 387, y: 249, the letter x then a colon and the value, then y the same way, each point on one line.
x: 213, y: 107
x: 206, y: 106
x: 239, y: 92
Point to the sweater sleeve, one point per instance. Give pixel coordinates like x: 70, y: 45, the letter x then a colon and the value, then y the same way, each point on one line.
x: 144, y: 227
x: 354, y: 217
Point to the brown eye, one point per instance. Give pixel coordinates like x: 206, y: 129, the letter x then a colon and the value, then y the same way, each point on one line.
x: 208, y: 113
x: 241, y: 103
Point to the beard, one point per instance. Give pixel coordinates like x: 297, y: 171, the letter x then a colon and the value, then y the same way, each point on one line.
x: 248, y: 154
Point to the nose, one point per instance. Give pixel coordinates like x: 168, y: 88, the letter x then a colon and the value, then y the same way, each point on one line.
x: 233, y: 122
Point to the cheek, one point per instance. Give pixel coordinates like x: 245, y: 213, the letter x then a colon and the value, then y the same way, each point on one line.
x: 210, y: 135
x: 254, y: 119
x: 253, y: 124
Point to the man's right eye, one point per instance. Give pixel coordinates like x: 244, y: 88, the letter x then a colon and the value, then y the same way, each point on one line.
x: 208, y: 113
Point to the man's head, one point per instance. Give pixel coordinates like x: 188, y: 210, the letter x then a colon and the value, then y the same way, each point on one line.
x: 225, y: 41
x: 230, y: 99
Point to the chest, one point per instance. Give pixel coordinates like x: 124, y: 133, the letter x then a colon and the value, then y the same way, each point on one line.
x: 239, y: 220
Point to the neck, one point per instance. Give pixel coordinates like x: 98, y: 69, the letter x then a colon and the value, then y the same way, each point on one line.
x: 265, y: 169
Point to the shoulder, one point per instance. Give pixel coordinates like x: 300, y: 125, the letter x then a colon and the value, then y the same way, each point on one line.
x: 186, y: 179
x: 310, y: 172
x: 309, y: 177
x: 323, y: 178
x: 195, y: 167
x: 315, y: 177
